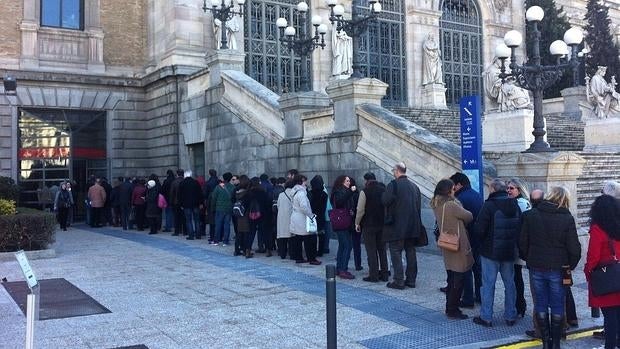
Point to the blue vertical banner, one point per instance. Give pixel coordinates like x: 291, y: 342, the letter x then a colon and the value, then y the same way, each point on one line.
x: 471, y: 141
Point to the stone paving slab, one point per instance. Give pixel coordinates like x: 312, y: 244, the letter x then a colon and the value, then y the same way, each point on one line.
x: 167, y: 292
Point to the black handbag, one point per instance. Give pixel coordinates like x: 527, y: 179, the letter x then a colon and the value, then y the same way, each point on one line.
x: 605, y: 278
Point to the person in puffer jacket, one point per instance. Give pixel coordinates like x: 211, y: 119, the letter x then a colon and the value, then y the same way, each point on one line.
x: 301, y: 210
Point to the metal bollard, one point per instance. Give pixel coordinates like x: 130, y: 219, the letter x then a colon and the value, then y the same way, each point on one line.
x: 330, y: 293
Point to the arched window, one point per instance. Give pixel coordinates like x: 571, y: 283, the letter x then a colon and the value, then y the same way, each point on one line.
x: 461, y: 47
x: 267, y: 60
x: 382, y: 50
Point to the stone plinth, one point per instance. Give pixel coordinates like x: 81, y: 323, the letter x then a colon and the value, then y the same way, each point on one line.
x: 508, y: 131
x: 434, y: 96
x: 221, y: 60
x: 602, y: 135
x: 293, y: 105
x: 573, y: 96
x: 544, y: 171
x: 347, y: 94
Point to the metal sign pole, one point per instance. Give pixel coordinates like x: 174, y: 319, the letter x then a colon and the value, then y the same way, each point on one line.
x: 32, y: 301
x: 31, y: 315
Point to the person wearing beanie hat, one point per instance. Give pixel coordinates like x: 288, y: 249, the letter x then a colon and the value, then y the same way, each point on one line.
x: 153, y: 212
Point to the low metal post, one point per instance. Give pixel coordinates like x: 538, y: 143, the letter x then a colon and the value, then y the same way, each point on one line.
x: 330, y: 293
x: 31, y: 315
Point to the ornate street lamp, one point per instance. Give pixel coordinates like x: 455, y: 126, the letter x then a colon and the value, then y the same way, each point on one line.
x: 354, y: 27
x: 536, y: 77
x: 223, y: 11
x: 302, y: 43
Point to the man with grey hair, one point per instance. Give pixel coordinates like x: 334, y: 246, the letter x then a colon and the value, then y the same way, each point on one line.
x: 403, y: 226
x: 497, y: 228
x: 611, y: 188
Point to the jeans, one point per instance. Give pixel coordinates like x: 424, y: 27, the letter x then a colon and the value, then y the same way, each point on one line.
x: 328, y: 235
x: 345, y: 245
x: 169, y: 218
x: 357, y: 249
x: 611, y: 317
x: 222, y: 227
x: 192, y: 221
x: 396, y: 255
x: 125, y: 211
x: 490, y: 268
x: 549, y: 291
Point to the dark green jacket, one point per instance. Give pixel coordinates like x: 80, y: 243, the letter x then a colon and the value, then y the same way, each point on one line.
x: 222, y: 198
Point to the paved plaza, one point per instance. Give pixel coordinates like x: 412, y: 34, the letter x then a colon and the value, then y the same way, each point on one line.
x: 167, y: 292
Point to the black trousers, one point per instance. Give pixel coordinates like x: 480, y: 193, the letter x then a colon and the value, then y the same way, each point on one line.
x: 96, y: 218
x: 357, y: 249
x: 63, y: 214
x: 179, y: 220
x: 453, y: 294
x: 153, y: 224
x: 140, y: 216
x: 309, y: 246
x: 375, y: 249
x: 521, y: 304
x: 283, y: 247
x: 396, y: 251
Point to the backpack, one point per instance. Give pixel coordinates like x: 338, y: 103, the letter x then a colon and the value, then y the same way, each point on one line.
x: 238, y: 209
x: 254, y: 211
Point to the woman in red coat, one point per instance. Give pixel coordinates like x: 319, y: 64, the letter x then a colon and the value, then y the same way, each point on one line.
x: 605, y: 226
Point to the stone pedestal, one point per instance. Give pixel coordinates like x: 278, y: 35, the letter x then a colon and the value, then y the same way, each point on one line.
x: 221, y: 60
x: 347, y: 94
x: 544, y: 170
x: 572, y: 97
x: 293, y: 105
x: 434, y: 96
x: 508, y: 131
x: 602, y: 135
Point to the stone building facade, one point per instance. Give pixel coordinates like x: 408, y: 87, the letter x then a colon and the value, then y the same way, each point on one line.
x: 110, y: 88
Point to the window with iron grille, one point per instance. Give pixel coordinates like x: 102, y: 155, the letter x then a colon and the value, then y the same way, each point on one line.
x: 461, y: 48
x: 267, y: 60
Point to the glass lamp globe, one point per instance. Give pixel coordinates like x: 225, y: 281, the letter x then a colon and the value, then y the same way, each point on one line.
x: 513, y: 38
x: 573, y: 36
x: 289, y: 31
x: 316, y: 20
x: 558, y: 48
x: 338, y: 10
x: 281, y: 22
x: 322, y: 28
x: 502, y: 51
x: 534, y: 14
x: 302, y: 7
x: 376, y: 7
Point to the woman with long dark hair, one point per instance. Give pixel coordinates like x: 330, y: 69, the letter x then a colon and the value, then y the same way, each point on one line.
x: 604, y: 243
x: 452, y: 217
x: 341, y: 199
x: 242, y: 245
x: 257, y: 209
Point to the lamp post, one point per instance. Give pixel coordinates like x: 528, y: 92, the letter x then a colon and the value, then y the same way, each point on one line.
x: 301, y: 43
x: 534, y: 76
x: 223, y: 11
x: 354, y: 27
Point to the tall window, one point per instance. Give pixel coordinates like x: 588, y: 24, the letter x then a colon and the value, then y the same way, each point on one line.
x: 68, y: 14
x: 266, y: 59
x: 461, y: 46
x: 382, y: 50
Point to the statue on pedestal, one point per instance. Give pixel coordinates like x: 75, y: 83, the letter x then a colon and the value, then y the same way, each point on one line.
x: 432, y: 69
x: 505, y: 93
x: 232, y: 27
x: 603, y: 95
x: 342, y: 50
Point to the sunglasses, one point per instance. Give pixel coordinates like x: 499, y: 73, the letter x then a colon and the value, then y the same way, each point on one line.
x: 511, y: 188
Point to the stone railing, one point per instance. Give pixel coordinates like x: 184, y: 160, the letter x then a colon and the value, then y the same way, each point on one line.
x: 388, y: 138
x: 254, y: 103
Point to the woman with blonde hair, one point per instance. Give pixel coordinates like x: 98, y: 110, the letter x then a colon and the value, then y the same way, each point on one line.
x: 452, y: 217
x: 549, y: 244
x: 518, y: 190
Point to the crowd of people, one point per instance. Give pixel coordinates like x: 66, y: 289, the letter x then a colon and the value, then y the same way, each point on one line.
x: 479, y: 239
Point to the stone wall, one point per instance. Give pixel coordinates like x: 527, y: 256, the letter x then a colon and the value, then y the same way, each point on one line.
x: 124, y: 27
x: 10, y: 35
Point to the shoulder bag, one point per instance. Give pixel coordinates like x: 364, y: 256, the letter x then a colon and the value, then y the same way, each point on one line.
x: 447, y: 241
x: 340, y: 218
x: 605, y: 278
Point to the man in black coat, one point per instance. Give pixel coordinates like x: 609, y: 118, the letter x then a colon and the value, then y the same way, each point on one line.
x: 403, y: 226
x: 190, y: 199
x: 177, y: 210
x: 209, y: 188
x: 497, y: 229
x: 168, y: 211
x: 124, y: 198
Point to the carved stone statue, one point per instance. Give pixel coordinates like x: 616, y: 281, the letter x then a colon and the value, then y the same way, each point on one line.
x: 433, y: 73
x: 603, y: 95
x: 232, y: 27
x: 506, y: 94
x: 342, y: 50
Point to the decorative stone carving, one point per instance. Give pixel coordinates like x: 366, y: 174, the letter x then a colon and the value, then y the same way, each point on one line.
x: 232, y: 28
x: 432, y: 66
x: 602, y: 95
x: 342, y: 51
x: 505, y: 94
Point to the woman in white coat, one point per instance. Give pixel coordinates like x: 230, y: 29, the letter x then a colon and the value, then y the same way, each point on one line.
x: 302, y: 210
x: 285, y: 208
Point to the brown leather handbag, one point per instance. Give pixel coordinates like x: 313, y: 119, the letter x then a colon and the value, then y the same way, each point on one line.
x: 447, y: 240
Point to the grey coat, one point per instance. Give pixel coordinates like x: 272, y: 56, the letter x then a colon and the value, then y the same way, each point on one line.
x: 405, y: 208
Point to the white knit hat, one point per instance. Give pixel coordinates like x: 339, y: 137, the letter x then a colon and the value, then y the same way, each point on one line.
x: 150, y: 183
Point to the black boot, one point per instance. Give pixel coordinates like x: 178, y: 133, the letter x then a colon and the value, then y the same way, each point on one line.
x: 542, y: 320
x: 557, y: 326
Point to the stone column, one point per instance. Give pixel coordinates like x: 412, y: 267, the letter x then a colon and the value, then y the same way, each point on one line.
x: 29, y: 27
x: 508, y: 131
x: 294, y: 105
x: 572, y: 97
x: 220, y: 60
x: 347, y: 94
x: 544, y: 170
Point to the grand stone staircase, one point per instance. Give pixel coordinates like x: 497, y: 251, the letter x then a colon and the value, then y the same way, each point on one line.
x: 564, y: 133
x: 443, y: 123
x: 599, y: 168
